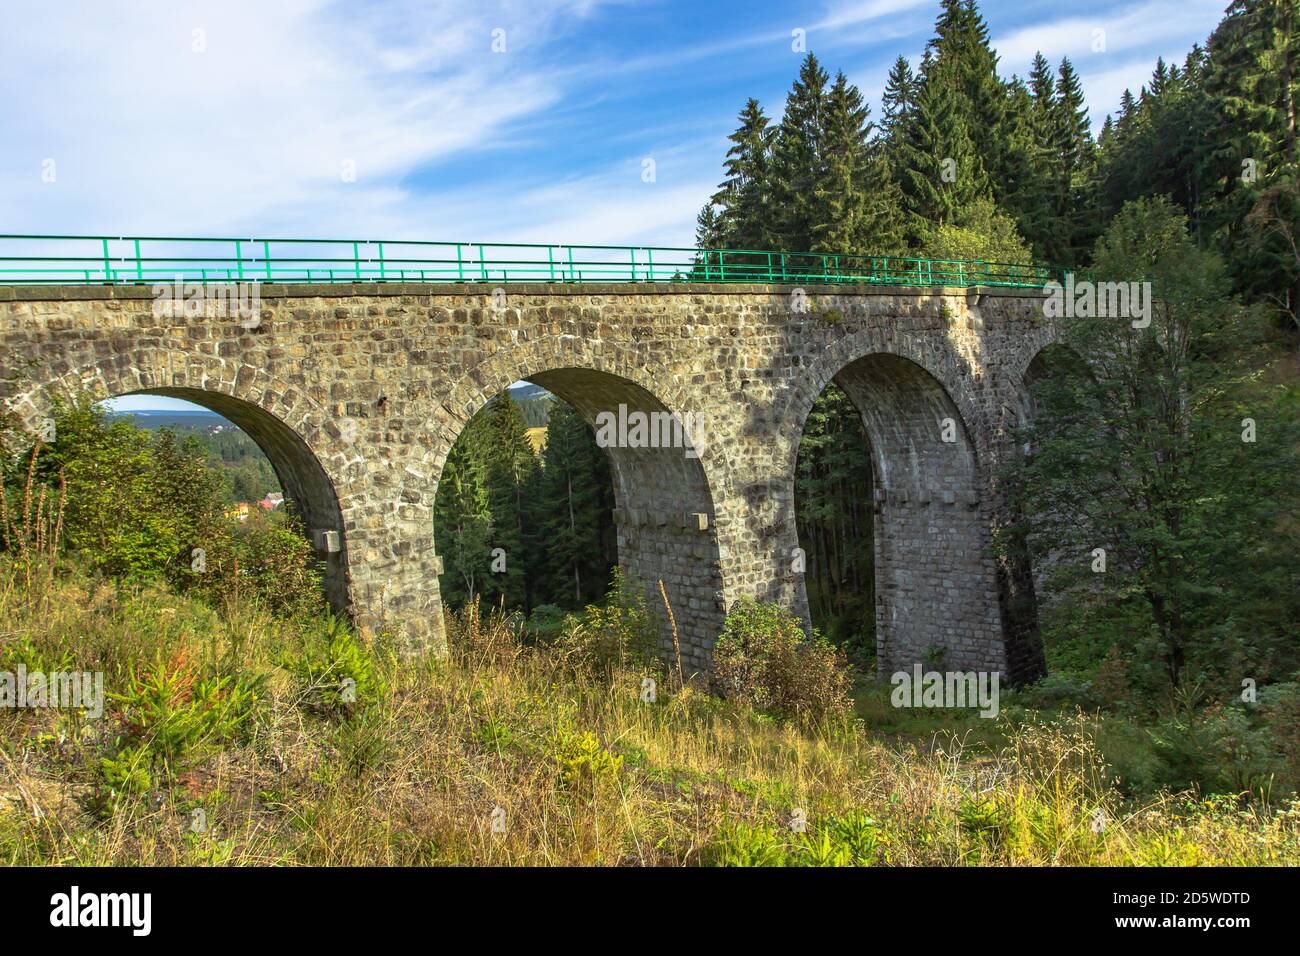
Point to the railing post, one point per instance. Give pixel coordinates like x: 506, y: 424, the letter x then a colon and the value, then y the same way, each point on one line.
x: 107, y: 269
x: 460, y: 265
x: 239, y: 261
x: 266, y: 257
x: 482, y: 266
x: 139, y: 273
x: 380, y: 246
x: 632, y: 255
x: 356, y: 261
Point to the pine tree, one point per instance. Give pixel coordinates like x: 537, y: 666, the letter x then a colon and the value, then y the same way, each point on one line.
x: 575, y: 505
x: 898, y: 100
x: 462, y: 525
x: 838, y: 215
x: 1250, y: 80
x: 797, y: 157
x: 1042, y: 86
x: 963, y: 54
x: 942, y: 173
x: 744, y: 197
x: 507, y: 460
x: 1027, y: 186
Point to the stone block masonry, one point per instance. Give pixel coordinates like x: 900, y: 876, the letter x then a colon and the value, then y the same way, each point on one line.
x: 357, y: 392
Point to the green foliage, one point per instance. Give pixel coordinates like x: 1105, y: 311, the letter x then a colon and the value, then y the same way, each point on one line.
x: 337, y: 674
x: 584, y: 764
x: 981, y: 233
x: 518, y: 531
x: 172, y: 716
x: 618, y: 632
x: 833, y: 494
x: 852, y: 839
x: 986, y: 818
x: 140, y: 505
x: 126, y: 773
x: 1138, y: 448
x: 764, y: 659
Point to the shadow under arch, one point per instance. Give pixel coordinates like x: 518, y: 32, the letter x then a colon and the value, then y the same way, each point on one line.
x: 664, y: 508
x: 300, y: 473
x: 1053, y: 358
x: 935, y: 581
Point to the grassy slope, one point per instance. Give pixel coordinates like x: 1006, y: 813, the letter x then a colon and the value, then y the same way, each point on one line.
x: 586, y: 772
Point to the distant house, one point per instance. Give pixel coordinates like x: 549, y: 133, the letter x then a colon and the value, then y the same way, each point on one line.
x: 238, y: 512
x: 272, y: 501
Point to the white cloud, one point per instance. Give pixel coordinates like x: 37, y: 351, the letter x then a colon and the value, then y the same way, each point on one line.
x: 151, y: 135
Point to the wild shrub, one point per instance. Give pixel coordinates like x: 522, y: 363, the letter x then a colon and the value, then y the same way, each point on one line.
x: 171, y: 717
x: 136, y: 506
x: 584, y: 764
x: 764, y: 659
x: 479, y: 642
x: 337, y: 675
x: 850, y: 839
x: 605, y: 637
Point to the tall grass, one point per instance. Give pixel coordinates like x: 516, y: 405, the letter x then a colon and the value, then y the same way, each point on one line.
x: 511, y: 754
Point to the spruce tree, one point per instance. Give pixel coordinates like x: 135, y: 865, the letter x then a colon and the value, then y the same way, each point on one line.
x: 796, y: 158
x: 462, y: 525
x: 744, y: 197
x: 942, y: 173
x: 508, y: 460
x: 575, y: 504
x: 838, y: 215
x: 899, y: 99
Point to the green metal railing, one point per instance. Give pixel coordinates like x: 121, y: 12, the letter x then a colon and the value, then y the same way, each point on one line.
x: 135, y: 260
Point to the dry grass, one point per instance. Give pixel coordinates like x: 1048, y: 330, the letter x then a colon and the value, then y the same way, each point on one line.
x: 586, y: 772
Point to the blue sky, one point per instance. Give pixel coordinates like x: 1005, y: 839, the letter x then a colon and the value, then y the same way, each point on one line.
x: 240, y: 117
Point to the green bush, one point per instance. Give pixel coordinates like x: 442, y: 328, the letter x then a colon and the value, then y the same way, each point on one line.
x: 337, y: 673
x: 585, y: 765
x: 617, y: 633
x: 140, y: 504
x: 171, y: 718
x: 764, y: 659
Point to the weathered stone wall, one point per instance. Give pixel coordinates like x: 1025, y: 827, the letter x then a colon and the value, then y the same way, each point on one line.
x: 357, y: 392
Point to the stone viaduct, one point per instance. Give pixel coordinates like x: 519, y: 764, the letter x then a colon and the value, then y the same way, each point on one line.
x: 356, y: 393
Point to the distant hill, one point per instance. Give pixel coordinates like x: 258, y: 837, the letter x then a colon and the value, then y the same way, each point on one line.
x: 170, y: 419
x: 528, y: 391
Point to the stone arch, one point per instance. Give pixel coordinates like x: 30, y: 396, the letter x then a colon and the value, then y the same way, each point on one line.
x: 1035, y: 370
x: 667, y: 521
x: 943, y: 366
x: 936, y: 580
x: 278, y: 420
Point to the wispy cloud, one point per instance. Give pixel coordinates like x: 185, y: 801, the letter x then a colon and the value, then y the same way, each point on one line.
x: 224, y: 116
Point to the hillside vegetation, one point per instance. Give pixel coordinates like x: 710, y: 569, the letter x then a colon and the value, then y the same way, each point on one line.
x: 237, y: 714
